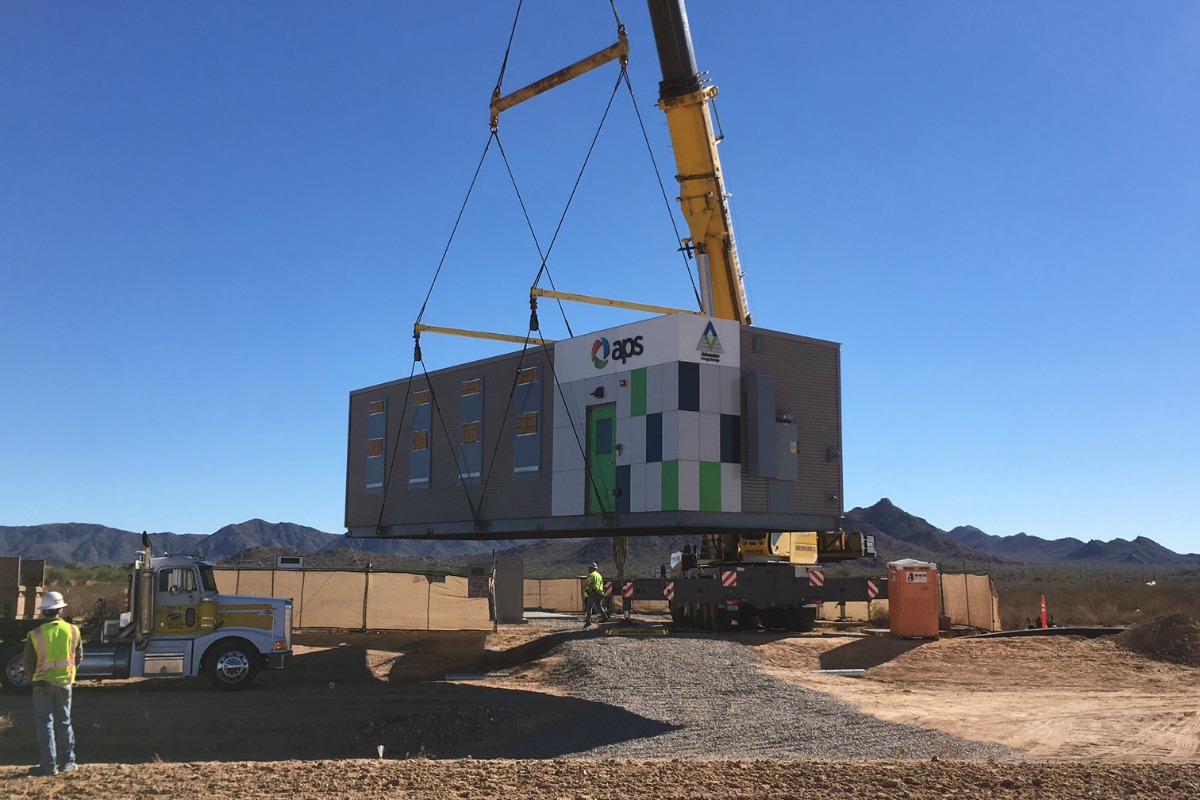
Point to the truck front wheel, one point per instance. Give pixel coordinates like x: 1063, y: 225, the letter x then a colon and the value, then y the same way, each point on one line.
x: 232, y: 665
x: 12, y: 671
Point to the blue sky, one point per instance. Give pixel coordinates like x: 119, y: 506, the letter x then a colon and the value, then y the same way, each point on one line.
x: 218, y: 219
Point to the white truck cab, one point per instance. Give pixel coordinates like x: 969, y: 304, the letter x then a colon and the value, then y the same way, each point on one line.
x: 178, y: 624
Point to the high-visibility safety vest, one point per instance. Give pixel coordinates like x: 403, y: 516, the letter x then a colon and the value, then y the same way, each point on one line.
x: 595, y: 583
x: 55, y: 643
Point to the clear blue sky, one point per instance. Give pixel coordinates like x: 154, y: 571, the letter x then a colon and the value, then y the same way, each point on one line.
x: 218, y: 219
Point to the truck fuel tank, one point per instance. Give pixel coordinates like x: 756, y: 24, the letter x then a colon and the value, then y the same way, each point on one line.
x: 105, y: 661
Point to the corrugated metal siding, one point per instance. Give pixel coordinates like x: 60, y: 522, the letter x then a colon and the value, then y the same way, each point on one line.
x: 808, y: 386
x: 446, y: 500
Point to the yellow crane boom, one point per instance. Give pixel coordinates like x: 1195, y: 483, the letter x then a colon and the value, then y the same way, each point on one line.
x: 685, y: 99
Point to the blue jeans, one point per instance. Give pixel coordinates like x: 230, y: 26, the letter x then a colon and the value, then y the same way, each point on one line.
x: 52, y: 715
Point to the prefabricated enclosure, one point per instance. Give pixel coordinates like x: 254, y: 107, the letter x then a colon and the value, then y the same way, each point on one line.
x: 678, y: 422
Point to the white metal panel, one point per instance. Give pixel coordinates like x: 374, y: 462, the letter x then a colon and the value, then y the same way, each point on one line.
x: 689, y: 485
x: 670, y: 435
x: 637, y: 486
x: 731, y: 388
x: 710, y: 388
x: 654, y: 388
x: 631, y: 436
x: 567, y: 493
x: 654, y: 486
x: 710, y: 436
x: 731, y: 487
x: 688, y: 423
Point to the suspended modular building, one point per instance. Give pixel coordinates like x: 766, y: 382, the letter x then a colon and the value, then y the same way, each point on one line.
x: 676, y: 423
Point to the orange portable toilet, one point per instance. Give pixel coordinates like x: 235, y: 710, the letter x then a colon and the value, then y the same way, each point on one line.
x: 913, y: 599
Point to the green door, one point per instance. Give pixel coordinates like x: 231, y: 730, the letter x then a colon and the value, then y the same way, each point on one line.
x: 601, y: 457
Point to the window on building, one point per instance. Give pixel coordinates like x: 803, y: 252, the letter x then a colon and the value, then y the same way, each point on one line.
x: 418, y: 450
x: 470, y: 433
x: 376, y: 433
x: 470, y: 427
x: 527, y: 441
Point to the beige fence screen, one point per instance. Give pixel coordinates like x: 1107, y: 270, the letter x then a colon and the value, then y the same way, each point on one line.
x: 970, y: 600
x: 369, y: 600
x: 559, y: 594
x: 566, y: 594
x: 858, y: 611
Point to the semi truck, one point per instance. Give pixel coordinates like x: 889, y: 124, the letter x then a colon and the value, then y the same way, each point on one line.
x: 176, y: 624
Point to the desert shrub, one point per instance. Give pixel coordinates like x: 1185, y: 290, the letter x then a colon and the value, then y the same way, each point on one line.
x: 64, y: 575
x: 1097, y: 596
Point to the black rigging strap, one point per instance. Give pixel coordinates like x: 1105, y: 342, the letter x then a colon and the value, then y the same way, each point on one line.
x: 544, y: 268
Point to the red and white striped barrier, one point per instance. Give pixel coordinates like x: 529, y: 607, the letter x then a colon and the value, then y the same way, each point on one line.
x: 816, y: 577
x: 669, y: 590
x: 627, y: 590
x: 729, y: 577
x: 872, y: 589
x: 608, y: 589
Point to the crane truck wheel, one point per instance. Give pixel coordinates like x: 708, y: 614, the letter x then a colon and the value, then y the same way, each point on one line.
x: 232, y: 665
x: 12, y: 671
x: 802, y: 620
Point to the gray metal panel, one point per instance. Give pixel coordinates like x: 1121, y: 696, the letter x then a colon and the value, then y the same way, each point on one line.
x: 807, y: 375
x: 649, y: 523
x: 786, y: 448
x: 781, y: 496
x: 445, y: 501
x: 761, y: 461
x: 510, y: 590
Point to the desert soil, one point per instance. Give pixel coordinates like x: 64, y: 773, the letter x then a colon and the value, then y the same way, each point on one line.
x: 1085, y: 718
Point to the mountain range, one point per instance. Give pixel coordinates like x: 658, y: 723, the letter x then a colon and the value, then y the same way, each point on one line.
x: 898, y: 534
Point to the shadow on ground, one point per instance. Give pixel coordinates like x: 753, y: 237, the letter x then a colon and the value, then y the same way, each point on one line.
x: 332, y: 703
x: 867, y: 652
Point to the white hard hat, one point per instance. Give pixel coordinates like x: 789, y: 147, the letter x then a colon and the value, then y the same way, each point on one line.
x: 53, y: 600
x: 595, y: 565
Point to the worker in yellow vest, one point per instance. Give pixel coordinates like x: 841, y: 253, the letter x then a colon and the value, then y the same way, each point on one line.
x: 52, y: 654
x: 593, y: 596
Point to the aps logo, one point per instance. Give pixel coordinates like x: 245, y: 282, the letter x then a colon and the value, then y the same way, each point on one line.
x: 620, y: 350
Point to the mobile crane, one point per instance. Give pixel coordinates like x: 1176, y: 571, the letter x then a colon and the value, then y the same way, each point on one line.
x: 770, y: 579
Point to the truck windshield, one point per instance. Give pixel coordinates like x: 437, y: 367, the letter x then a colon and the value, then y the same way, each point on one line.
x: 208, y: 580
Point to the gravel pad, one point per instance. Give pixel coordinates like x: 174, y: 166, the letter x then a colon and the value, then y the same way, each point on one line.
x: 704, y: 697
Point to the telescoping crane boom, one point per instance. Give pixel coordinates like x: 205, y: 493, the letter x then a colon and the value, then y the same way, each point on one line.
x: 705, y: 588
x: 685, y: 97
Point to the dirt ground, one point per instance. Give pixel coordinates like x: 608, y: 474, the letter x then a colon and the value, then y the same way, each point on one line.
x: 1094, y: 719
